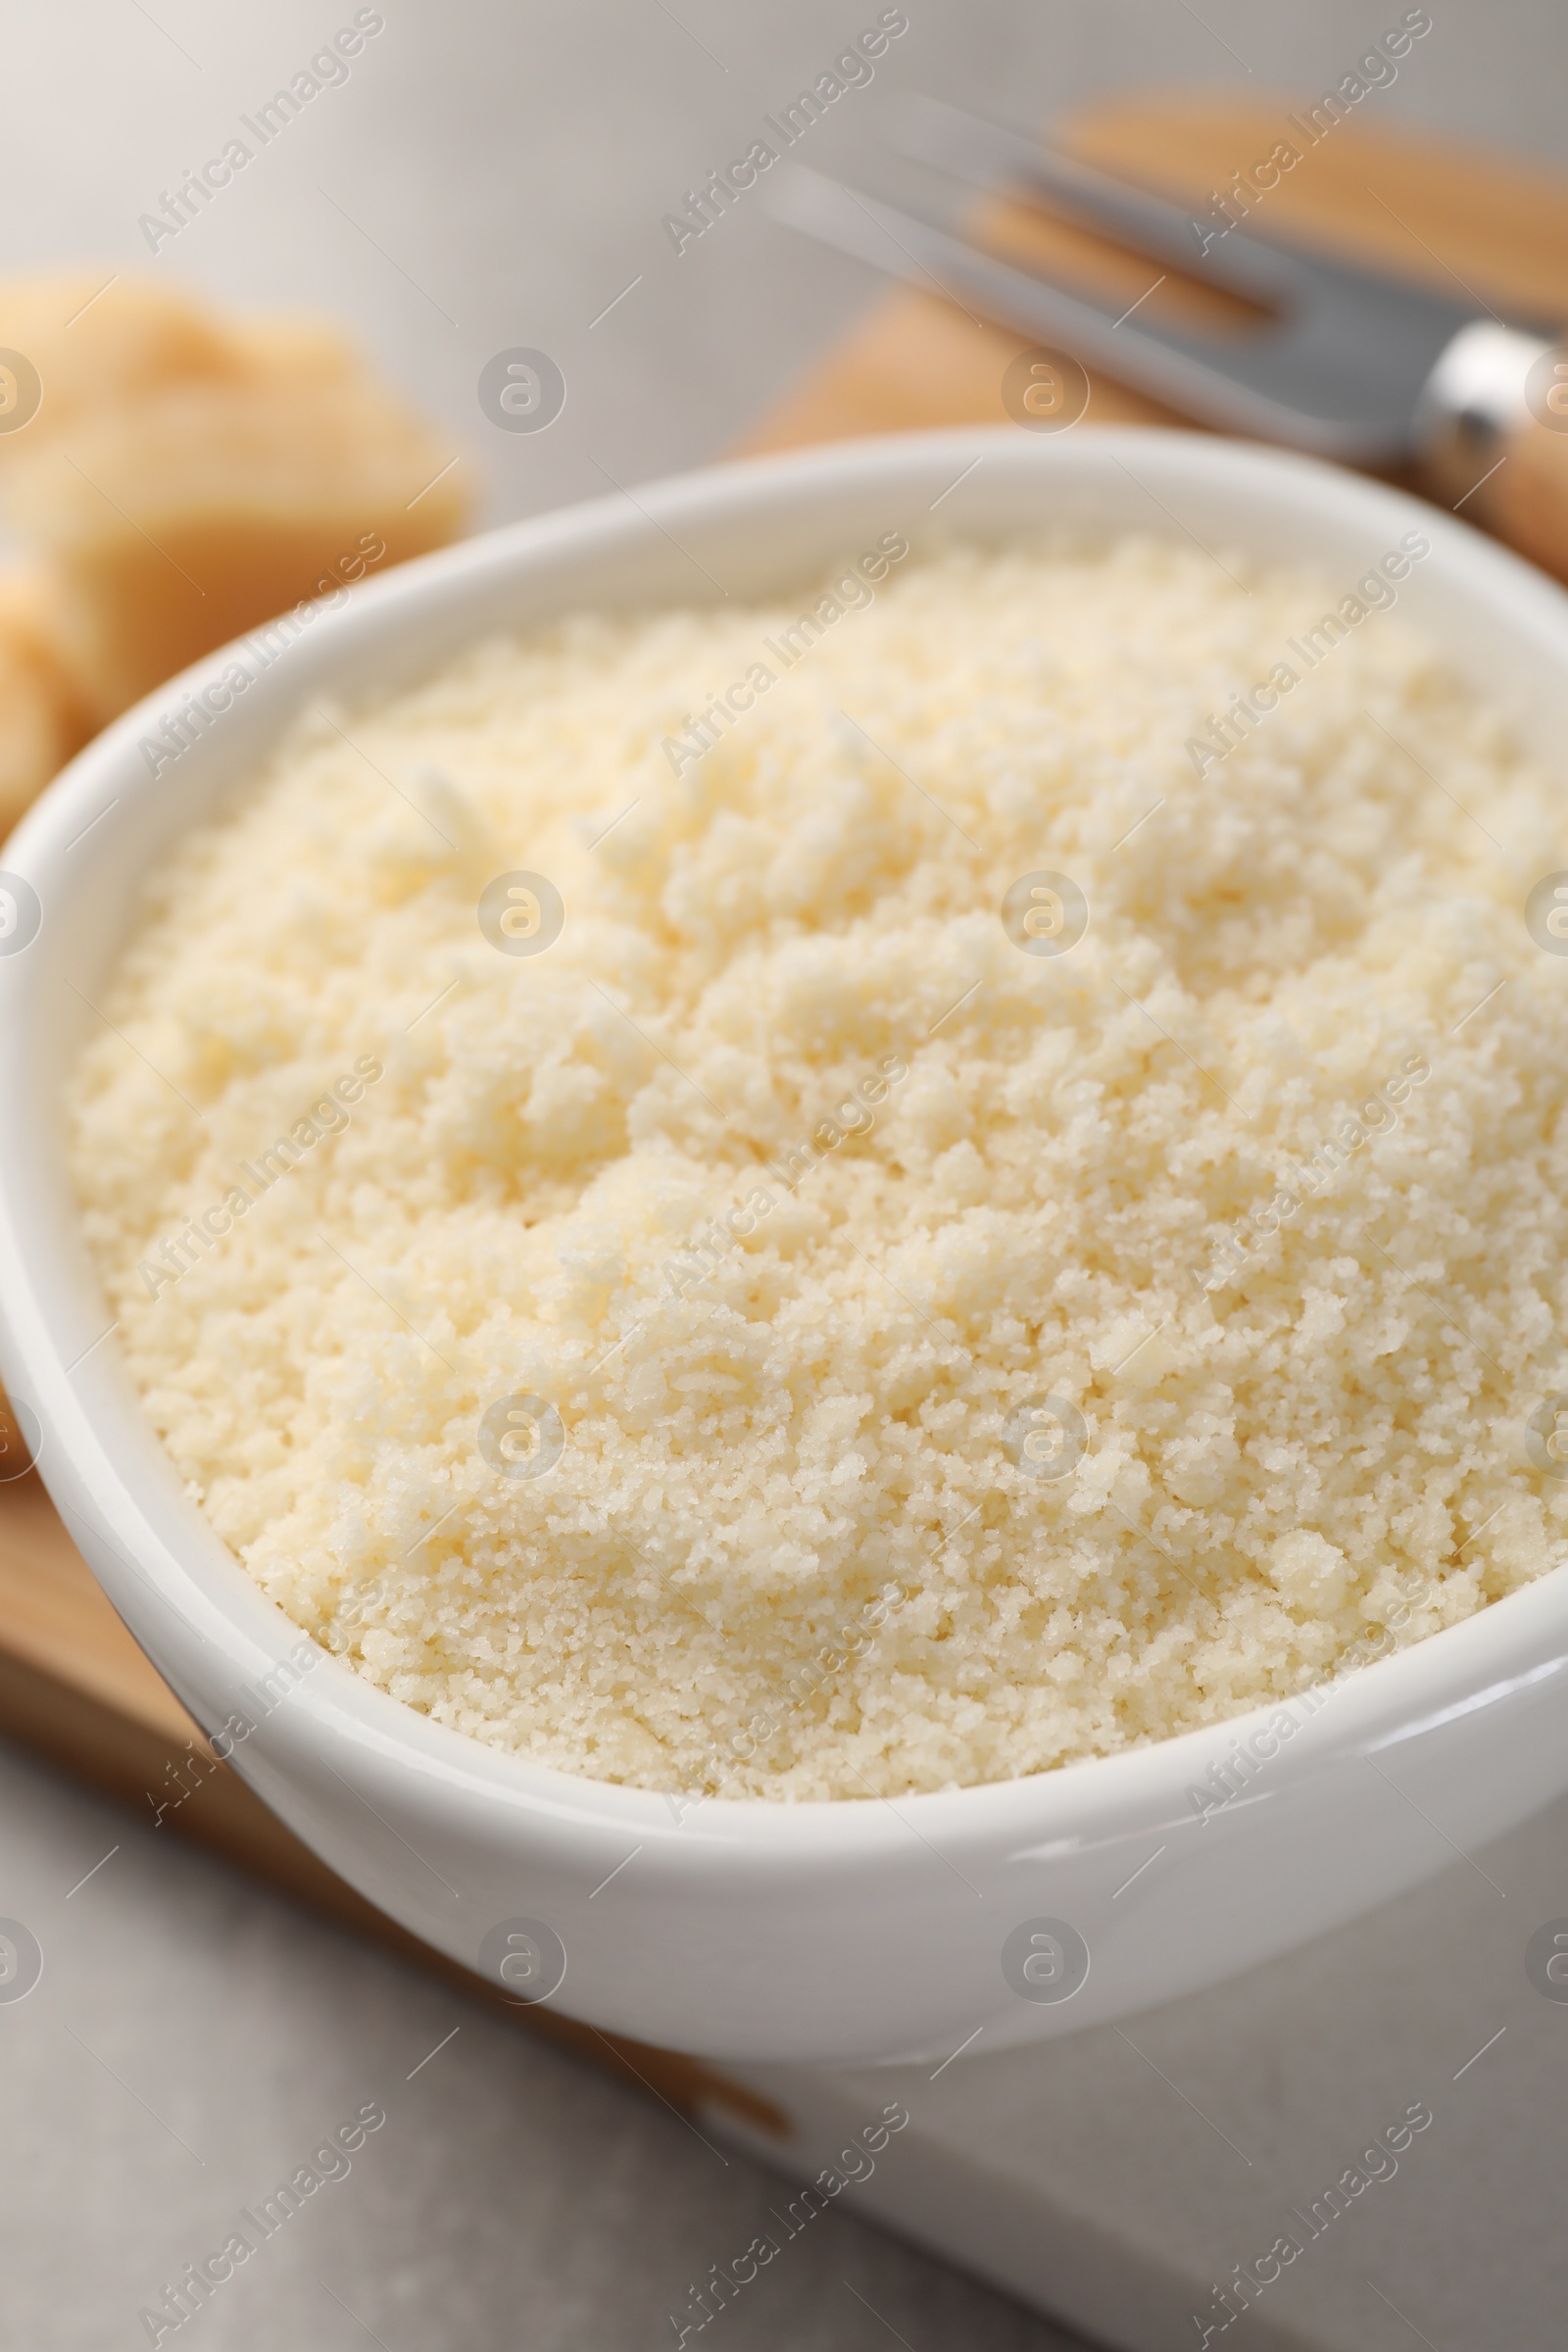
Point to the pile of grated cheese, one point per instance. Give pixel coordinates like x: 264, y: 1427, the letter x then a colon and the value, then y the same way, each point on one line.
x: 793, y: 1545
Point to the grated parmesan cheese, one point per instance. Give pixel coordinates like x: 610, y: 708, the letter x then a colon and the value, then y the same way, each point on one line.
x: 791, y: 1336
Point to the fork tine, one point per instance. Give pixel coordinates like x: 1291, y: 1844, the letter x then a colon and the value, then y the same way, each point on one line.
x: 929, y: 131
x: 1177, y: 369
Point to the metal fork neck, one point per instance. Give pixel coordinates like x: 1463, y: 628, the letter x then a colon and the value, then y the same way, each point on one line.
x: 1474, y: 403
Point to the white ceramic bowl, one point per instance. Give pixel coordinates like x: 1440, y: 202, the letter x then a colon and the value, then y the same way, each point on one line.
x: 811, y: 1932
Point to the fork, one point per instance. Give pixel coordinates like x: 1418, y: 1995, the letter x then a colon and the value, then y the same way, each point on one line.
x: 1350, y: 363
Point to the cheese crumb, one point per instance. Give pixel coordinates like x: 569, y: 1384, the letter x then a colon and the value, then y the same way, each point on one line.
x: 784, y: 1331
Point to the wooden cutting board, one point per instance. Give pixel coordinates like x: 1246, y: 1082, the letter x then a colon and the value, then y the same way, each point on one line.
x: 74, y: 1685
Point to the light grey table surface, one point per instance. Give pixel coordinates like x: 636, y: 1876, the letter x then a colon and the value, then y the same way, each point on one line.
x: 493, y: 176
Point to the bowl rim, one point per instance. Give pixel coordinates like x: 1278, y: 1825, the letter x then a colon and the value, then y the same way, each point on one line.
x: 99, y: 1459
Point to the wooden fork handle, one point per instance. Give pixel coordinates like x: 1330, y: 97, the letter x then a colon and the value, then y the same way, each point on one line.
x: 1526, y: 497
x: 1496, y: 439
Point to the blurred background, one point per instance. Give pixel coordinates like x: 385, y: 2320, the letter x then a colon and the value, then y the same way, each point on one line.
x: 490, y: 177
x: 495, y: 174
